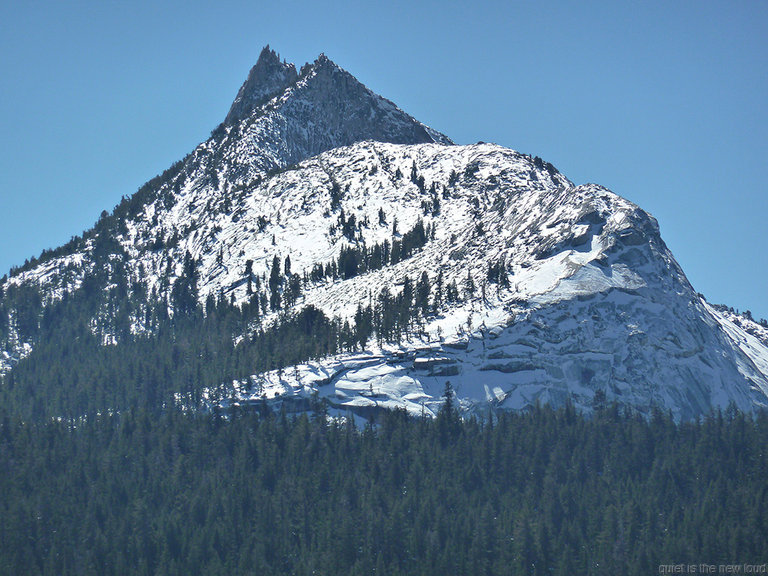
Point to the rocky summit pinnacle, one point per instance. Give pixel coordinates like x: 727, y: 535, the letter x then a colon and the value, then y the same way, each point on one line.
x: 268, y: 77
x: 280, y: 118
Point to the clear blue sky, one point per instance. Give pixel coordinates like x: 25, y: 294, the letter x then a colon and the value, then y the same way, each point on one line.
x: 664, y: 103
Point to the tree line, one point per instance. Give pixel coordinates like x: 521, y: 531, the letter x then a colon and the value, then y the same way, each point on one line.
x: 549, y: 491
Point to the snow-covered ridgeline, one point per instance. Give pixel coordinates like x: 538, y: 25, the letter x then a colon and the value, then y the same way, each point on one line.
x: 595, y: 301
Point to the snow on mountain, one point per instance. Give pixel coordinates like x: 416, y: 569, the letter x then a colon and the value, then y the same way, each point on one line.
x: 307, y: 165
x: 277, y: 119
x: 596, y: 301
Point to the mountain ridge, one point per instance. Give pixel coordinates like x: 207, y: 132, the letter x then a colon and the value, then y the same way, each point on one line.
x: 532, y: 289
x: 262, y: 146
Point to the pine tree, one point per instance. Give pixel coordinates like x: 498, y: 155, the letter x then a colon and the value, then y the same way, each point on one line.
x: 437, y: 301
x: 275, y: 281
x: 293, y: 290
x: 249, y: 275
x: 184, y: 292
x: 469, y: 285
x: 422, y: 294
x: 405, y: 307
x: 363, y: 325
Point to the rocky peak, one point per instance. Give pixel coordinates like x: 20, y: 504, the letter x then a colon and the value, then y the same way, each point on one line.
x: 322, y: 61
x: 267, y: 78
x: 333, y: 108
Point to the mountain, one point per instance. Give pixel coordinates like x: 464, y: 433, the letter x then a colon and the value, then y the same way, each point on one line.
x: 594, y: 300
x: 434, y: 266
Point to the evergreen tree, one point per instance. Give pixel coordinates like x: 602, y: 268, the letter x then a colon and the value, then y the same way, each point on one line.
x: 293, y: 290
x: 275, y: 282
x: 469, y: 285
x: 437, y: 301
x: 405, y: 307
x: 363, y: 325
x: 422, y: 294
x: 249, y: 274
x: 184, y: 292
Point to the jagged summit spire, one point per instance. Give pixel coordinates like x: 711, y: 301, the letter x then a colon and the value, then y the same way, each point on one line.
x: 268, y: 77
x: 268, y: 55
x: 320, y: 108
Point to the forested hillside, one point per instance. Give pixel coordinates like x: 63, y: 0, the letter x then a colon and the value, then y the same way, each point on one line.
x: 547, y: 492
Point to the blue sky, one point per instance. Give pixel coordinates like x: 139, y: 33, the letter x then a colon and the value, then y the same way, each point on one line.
x: 664, y: 104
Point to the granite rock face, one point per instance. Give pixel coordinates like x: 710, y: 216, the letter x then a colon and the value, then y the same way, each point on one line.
x: 268, y: 77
